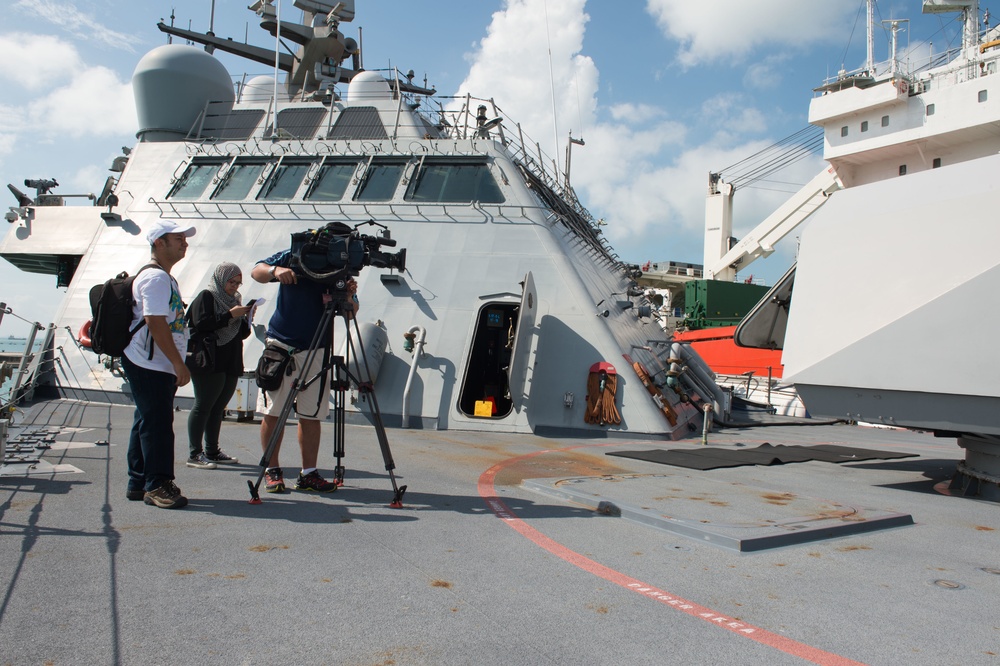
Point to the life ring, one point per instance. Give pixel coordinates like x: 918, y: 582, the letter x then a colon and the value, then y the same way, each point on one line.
x: 83, y: 335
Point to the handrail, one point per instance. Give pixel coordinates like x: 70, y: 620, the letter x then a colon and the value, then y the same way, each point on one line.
x: 19, y: 388
x: 464, y: 125
x: 419, y: 334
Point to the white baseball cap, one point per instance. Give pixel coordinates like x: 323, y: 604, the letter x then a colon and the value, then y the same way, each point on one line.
x: 162, y: 227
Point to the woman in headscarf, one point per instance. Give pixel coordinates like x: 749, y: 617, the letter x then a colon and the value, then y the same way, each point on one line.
x: 218, y: 322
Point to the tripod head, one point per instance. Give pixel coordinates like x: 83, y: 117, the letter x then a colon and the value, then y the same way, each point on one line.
x: 341, y: 303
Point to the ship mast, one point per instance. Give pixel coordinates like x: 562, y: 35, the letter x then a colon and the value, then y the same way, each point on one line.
x: 870, y: 62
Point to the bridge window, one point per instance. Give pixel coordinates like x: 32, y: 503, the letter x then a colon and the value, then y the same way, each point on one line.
x: 332, y: 180
x: 284, y: 181
x: 843, y: 131
x: 885, y: 121
x: 380, y: 181
x: 930, y: 109
x: 240, y: 178
x: 454, y: 183
x: 196, y: 179
x: 864, y: 125
x: 982, y: 96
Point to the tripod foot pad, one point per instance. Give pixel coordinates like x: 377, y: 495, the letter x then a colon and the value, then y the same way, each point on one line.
x: 397, y: 499
x: 254, y: 497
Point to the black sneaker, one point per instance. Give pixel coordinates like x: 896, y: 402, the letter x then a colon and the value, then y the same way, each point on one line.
x: 167, y: 496
x: 134, y: 495
x: 315, y: 483
x: 200, y: 461
x: 221, y: 458
x: 274, y: 480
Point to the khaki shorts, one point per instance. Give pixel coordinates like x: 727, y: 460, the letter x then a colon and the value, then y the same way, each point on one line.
x: 311, y: 403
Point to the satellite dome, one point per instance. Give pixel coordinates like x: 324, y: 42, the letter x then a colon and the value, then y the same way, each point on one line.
x: 367, y: 87
x: 261, y: 89
x: 172, y: 84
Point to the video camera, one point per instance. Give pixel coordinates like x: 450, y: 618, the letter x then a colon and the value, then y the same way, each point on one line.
x: 336, y: 252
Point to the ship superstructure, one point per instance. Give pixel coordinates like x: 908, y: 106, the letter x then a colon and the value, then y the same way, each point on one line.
x: 509, y: 297
x: 892, y: 314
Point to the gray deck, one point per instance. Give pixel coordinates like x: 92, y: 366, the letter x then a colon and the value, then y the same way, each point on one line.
x: 499, y: 556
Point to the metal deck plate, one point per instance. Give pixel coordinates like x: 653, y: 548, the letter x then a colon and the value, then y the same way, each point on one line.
x: 731, y: 515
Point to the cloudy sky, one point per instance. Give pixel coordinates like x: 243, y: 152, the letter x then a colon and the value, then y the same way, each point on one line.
x: 661, y: 91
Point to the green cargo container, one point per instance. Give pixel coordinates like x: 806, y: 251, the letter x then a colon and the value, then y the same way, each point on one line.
x: 713, y: 303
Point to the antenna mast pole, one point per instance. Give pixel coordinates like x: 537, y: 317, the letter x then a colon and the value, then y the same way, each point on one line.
x: 552, y: 86
x: 277, y: 47
x: 870, y: 62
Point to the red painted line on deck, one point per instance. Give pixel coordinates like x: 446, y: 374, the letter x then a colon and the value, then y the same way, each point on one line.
x: 487, y: 491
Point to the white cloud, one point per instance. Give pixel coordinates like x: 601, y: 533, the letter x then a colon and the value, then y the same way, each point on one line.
x: 732, y: 112
x: 77, y: 23
x: 513, y: 63
x: 94, y: 103
x: 7, y: 141
x: 637, y: 113
x: 766, y: 74
x: 35, y: 61
x: 717, y: 30
x: 638, y: 169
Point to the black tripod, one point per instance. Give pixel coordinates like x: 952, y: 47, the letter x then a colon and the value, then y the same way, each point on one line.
x: 341, y: 377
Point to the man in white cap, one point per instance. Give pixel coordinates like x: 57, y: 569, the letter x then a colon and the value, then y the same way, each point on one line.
x: 154, y: 366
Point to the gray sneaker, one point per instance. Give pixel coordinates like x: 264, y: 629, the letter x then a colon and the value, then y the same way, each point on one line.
x: 167, y: 496
x: 201, y: 461
x: 221, y: 458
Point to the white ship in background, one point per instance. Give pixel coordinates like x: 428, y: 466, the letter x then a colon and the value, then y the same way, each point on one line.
x: 894, y: 311
x: 510, y: 299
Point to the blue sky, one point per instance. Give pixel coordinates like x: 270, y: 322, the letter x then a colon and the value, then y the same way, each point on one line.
x: 661, y: 91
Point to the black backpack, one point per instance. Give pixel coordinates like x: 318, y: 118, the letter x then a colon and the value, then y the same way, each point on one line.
x: 111, y: 305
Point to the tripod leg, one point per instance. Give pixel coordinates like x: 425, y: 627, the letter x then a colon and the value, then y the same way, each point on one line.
x: 286, y: 408
x: 383, y: 441
x: 338, y: 384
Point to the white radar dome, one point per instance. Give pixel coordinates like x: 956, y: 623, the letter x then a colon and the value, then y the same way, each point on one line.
x: 172, y: 85
x: 261, y: 89
x: 367, y: 87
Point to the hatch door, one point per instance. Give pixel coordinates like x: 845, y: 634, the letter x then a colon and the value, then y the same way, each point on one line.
x: 518, y: 368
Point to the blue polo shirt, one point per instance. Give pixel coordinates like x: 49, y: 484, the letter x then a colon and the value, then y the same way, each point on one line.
x: 299, y: 307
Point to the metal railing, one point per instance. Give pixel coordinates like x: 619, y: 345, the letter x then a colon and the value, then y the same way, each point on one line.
x: 22, y: 369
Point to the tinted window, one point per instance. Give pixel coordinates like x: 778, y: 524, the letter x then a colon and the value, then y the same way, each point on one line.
x: 195, y: 180
x: 241, y: 177
x: 380, y: 181
x: 284, y: 181
x: 331, y: 181
x: 456, y: 183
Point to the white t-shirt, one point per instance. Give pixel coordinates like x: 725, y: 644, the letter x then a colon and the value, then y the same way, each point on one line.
x: 156, y: 293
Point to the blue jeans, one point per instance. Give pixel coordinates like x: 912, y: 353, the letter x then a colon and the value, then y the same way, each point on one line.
x: 151, y: 443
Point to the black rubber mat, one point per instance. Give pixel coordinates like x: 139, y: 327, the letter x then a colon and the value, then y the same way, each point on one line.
x: 765, y: 454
